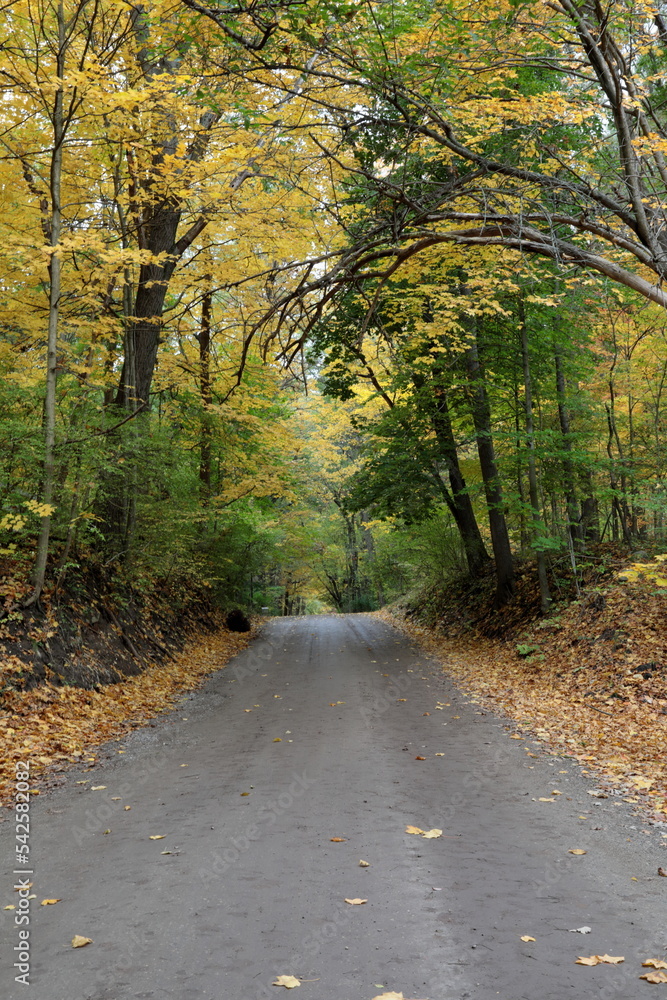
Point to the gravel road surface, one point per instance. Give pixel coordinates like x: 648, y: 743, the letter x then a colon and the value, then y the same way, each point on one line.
x: 313, y: 733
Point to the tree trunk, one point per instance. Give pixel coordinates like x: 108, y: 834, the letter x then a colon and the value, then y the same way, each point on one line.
x: 145, y: 325
x: 538, y: 525
x: 570, y: 491
x: 481, y: 415
x: 206, y: 395
x: 590, y: 518
x: 55, y: 227
x: 461, y: 507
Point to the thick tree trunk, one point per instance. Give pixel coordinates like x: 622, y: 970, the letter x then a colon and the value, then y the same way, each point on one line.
x: 145, y: 325
x: 481, y: 415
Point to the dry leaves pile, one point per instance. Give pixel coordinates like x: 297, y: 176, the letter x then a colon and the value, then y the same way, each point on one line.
x: 589, y: 681
x: 54, y: 726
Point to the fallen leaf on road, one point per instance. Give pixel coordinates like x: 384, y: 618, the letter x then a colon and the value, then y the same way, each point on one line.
x: 576, y: 850
x: 127, y: 808
x: 277, y: 739
x: 157, y: 836
x: 515, y: 737
x: 356, y: 902
x: 401, y: 699
x: 289, y: 982
x: 389, y: 996
x: 337, y: 840
x: 420, y: 758
x: 663, y: 872
x: 426, y: 713
x: 654, y: 963
x: 10, y: 907
x: 596, y: 793
x: 48, y: 902
x: 598, y: 959
x: 247, y: 710
x: 432, y: 834
x: 364, y: 864
x: 527, y: 937
x: 79, y: 942
x: 440, y: 755
x: 97, y: 788
x: 542, y: 799
x: 655, y: 977
x: 413, y: 829
x: 580, y: 930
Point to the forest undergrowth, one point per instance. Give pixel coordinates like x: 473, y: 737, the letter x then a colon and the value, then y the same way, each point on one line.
x: 588, y: 681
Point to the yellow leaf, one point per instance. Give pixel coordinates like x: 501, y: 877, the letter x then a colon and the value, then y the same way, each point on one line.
x: 576, y: 850
x: 157, y: 836
x: 337, y: 840
x: 365, y: 864
x: 356, y: 902
x: 655, y: 977
x: 289, y: 982
x: 97, y: 788
x: 611, y: 960
x: 527, y: 937
x: 277, y: 739
x: 655, y: 963
x: 413, y: 829
x: 593, y: 960
x: 80, y: 942
x: 542, y: 799
x: 432, y: 834
x: 48, y: 902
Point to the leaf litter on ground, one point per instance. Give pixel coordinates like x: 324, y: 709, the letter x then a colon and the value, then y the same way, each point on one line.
x: 58, y: 726
x: 594, y: 689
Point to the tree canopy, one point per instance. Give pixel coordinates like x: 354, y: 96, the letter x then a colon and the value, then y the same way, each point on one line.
x: 320, y: 301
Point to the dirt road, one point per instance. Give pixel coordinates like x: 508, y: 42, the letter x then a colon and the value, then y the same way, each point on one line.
x: 316, y: 732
